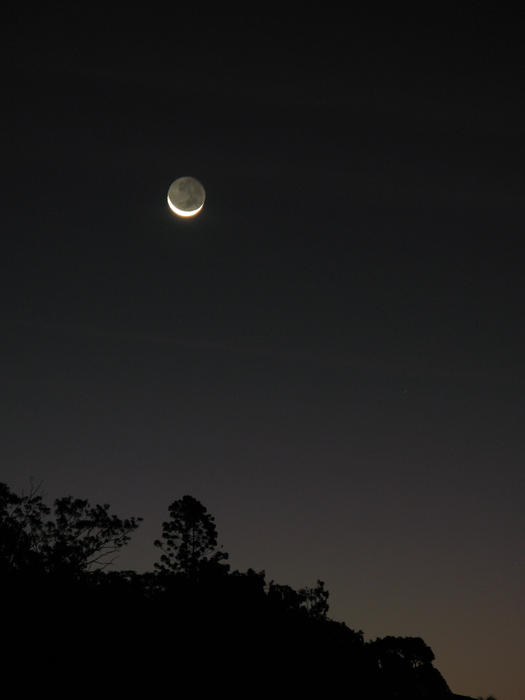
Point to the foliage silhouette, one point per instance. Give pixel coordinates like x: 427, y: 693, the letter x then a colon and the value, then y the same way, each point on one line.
x: 191, y: 624
x: 72, y: 537
x: 316, y: 600
x: 404, y: 667
x: 189, y: 539
x: 22, y: 530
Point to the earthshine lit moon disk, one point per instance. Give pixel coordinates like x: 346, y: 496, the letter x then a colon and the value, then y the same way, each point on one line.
x: 186, y: 196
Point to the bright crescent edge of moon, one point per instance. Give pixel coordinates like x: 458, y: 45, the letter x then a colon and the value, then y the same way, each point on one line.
x: 181, y: 212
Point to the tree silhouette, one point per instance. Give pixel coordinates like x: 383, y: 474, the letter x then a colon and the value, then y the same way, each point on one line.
x: 189, y: 539
x: 84, y: 537
x: 316, y: 600
x: 392, y: 652
x: 284, y: 598
x: 74, y: 536
x: 403, y: 668
x: 22, y: 530
x: 54, y: 559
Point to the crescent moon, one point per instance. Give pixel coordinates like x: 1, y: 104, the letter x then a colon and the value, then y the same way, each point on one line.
x: 181, y: 212
x: 186, y: 196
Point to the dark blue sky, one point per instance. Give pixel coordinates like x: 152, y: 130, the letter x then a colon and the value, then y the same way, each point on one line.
x: 330, y: 356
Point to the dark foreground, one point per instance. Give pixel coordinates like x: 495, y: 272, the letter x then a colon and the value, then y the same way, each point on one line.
x: 224, y: 632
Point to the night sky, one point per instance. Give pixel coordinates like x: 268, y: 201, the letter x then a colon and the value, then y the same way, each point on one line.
x: 330, y: 356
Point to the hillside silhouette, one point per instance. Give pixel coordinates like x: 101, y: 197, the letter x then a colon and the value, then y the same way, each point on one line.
x: 191, y: 625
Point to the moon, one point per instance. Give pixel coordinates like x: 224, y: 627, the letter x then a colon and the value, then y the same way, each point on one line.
x: 186, y: 196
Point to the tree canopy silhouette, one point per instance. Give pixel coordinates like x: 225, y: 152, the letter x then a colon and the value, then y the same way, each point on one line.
x: 71, y: 537
x: 189, y: 539
x: 191, y: 608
